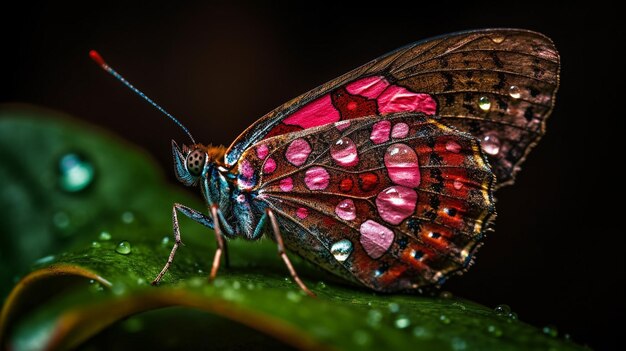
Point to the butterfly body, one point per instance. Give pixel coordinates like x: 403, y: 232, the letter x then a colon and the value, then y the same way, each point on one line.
x: 385, y: 175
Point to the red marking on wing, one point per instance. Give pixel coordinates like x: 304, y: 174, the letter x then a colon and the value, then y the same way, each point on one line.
x: 316, y: 113
x: 367, y: 96
x: 353, y: 106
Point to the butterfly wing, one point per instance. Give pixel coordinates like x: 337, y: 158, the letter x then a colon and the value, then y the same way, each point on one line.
x: 393, y: 204
x: 496, y: 84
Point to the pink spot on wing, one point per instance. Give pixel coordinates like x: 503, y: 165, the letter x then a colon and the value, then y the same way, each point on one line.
x: 315, y: 113
x: 344, y: 152
x: 398, y: 99
x: 298, y: 151
x: 286, y: 184
x: 375, y: 238
x: 346, y: 210
x: 453, y: 146
x: 246, y: 175
x: 245, y: 169
x: 402, y: 165
x: 341, y: 125
x: 400, y: 130
x: 269, y: 166
x: 380, y: 132
x: 316, y: 178
x: 396, y: 203
x: 262, y: 151
x: 369, y: 87
x: 302, y: 213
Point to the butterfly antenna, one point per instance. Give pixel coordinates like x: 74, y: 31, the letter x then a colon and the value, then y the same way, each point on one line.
x: 100, y: 61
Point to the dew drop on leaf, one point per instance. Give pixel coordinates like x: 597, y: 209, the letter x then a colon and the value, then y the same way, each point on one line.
x: 444, y: 319
x: 402, y: 322
x: 123, y: 248
x: 495, y: 331
x: 104, y: 235
x: 550, y: 330
x: 502, y: 310
x: 76, y: 173
x: 394, y: 307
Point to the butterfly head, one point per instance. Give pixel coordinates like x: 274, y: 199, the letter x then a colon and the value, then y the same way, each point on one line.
x: 191, y: 162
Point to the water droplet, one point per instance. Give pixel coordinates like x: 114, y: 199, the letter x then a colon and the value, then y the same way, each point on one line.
x: 123, y: 248
x: 422, y: 332
x: 165, y: 241
x: 361, y: 337
x: 497, y: 38
x: 492, y: 329
x: 458, y: 344
x: 484, y: 103
x: 402, y: 165
x: 76, y: 172
x: 293, y: 296
x: 445, y: 295
x: 402, y: 322
x: 45, y: 260
x: 104, y: 236
x: 236, y: 285
x: 321, y: 285
x: 551, y: 331
x: 515, y: 92
x: 341, y: 249
x: 444, y: 319
x: 373, y: 318
x: 95, y: 244
x: 491, y: 144
x: 512, y: 316
x: 61, y: 220
x: 502, y: 310
x: 394, y: 307
x: 453, y: 146
x: 346, y: 210
x: 457, y: 184
x: 344, y: 152
x: 250, y: 286
x: 128, y: 217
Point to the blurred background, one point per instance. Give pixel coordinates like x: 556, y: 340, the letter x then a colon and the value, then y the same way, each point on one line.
x: 557, y: 254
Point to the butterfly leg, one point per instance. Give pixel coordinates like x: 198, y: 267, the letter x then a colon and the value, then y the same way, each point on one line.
x: 221, y: 244
x: 283, y: 255
x: 191, y: 213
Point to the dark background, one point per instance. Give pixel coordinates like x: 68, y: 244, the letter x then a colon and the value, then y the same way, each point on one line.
x: 557, y: 254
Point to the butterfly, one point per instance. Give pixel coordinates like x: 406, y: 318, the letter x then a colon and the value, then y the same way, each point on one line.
x: 383, y: 176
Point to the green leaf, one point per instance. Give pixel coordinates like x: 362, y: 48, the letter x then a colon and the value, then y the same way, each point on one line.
x: 84, y: 291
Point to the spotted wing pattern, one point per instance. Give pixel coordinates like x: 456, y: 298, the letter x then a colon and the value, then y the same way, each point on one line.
x: 496, y: 84
x: 393, y: 204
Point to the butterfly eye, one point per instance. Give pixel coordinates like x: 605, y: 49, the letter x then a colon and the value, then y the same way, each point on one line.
x: 195, y: 162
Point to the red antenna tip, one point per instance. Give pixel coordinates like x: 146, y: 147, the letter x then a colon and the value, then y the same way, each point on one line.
x: 97, y: 58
